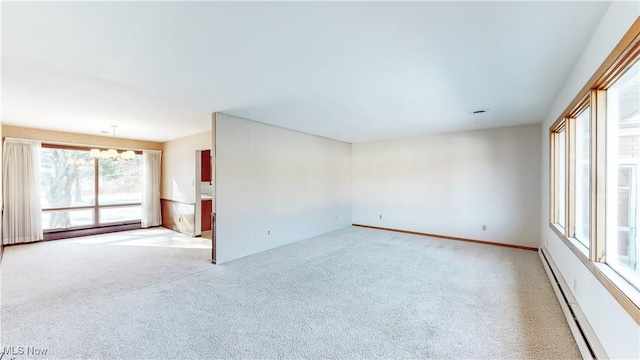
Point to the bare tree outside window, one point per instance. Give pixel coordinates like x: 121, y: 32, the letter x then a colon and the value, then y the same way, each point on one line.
x: 69, y: 189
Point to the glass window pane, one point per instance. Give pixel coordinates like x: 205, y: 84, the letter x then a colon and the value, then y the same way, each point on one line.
x: 583, y: 176
x: 67, y: 178
x: 120, y: 214
x: 623, y: 158
x: 562, y: 176
x: 63, y: 219
x: 120, y: 181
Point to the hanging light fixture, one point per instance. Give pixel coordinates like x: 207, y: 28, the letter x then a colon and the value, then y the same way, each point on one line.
x: 112, y: 153
x: 78, y: 161
x: 128, y: 155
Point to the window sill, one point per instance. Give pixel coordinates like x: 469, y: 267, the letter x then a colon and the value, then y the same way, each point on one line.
x: 621, y: 283
x: 577, y: 244
x: 625, y: 294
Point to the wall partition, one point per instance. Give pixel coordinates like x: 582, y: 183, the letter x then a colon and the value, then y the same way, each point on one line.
x: 275, y: 186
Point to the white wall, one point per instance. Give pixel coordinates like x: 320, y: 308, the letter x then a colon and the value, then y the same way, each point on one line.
x: 272, y: 179
x: 453, y: 184
x: 179, y: 166
x: 1, y: 201
x: 616, y: 330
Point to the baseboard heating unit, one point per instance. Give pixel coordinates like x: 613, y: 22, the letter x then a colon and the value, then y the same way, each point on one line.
x: 588, y: 343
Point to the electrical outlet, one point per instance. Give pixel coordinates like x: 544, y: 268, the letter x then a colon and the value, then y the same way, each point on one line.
x: 268, y: 232
x: 336, y: 217
x: 179, y: 219
x: 380, y: 216
x: 484, y: 227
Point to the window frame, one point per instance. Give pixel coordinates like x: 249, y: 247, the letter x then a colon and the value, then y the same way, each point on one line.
x: 96, y: 205
x: 593, y: 95
x: 567, y: 124
x: 575, y: 120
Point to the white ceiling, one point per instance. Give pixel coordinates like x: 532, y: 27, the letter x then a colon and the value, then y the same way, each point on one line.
x: 352, y: 71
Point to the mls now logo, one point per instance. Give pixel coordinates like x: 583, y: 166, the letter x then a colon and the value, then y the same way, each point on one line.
x: 22, y: 350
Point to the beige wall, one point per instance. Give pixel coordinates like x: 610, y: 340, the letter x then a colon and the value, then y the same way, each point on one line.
x: 179, y: 166
x: 77, y: 139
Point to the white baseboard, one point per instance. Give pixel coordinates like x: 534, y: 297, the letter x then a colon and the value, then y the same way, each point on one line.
x: 585, y: 337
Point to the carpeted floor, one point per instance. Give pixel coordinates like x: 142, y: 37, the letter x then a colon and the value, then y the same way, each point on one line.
x: 352, y: 294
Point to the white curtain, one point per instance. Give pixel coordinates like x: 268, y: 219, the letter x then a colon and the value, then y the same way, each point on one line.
x: 151, y: 189
x: 22, y: 215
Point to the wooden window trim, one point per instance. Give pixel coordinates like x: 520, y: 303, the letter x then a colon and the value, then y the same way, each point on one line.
x: 625, y: 53
x: 86, y: 207
x: 554, y: 146
x: 611, y: 69
x: 580, y: 106
x: 553, y: 171
x: 83, y: 147
x: 571, y: 122
x: 66, y: 208
x: 598, y: 175
x: 570, y: 178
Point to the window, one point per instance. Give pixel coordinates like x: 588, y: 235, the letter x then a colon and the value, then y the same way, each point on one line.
x: 582, y: 169
x: 572, y: 177
x: 78, y: 191
x: 562, y: 177
x: 623, y: 157
x: 595, y: 171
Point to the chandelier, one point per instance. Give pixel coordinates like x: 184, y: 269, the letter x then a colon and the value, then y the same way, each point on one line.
x: 96, y: 154
x: 112, y: 154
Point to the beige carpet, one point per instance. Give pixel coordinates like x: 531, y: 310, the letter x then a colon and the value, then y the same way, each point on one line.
x: 352, y: 294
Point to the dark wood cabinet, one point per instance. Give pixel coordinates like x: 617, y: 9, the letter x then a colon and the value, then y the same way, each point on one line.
x: 205, y: 159
x: 207, y: 207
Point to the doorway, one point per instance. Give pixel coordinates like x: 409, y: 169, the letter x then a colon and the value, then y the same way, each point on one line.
x: 204, y: 194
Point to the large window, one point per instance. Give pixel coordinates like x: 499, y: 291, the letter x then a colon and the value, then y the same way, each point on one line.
x: 78, y: 191
x: 623, y: 157
x: 595, y: 163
